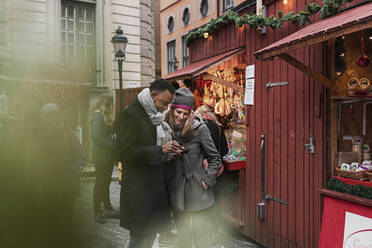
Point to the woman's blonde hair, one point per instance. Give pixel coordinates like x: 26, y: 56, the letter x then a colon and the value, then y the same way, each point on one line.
x: 206, y: 112
x: 105, y: 106
x: 187, y: 132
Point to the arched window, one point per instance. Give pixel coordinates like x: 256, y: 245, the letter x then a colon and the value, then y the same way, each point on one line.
x: 186, y: 16
x: 170, y: 24
x: 204, y: 6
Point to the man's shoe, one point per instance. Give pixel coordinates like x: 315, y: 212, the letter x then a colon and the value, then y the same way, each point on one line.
x: 100, y: 218
x: 114, y: 214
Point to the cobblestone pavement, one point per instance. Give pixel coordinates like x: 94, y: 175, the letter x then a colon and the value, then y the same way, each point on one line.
x: 110, y: 234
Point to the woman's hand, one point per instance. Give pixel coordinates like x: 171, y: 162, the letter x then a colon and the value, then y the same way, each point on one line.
x: 205, y: 185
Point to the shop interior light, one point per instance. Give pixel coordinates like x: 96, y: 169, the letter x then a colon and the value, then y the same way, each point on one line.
x: 206, y: 35
x: 338, y: 73
x: 342, y: 55
x: 343, y: 37
x: 285, y: 1
x: 370, y: 37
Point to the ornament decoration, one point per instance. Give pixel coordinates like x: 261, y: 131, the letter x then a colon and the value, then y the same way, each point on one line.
x: 329, y: 8
x: 363, y: 61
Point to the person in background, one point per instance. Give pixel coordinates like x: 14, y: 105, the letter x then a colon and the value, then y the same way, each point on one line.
x: 61, y: 158
x: 219, y: 139
x: 103, y: 154
x: 175, y: 85
x: 190, y: 183
x: 145, y: 144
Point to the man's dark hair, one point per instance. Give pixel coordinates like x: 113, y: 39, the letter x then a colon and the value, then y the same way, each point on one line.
x: 161, y: 85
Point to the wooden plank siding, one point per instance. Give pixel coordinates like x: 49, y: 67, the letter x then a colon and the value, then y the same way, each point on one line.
x: 288, y: 116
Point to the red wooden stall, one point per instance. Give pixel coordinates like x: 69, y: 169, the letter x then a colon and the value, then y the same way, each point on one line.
x: 285, y: 118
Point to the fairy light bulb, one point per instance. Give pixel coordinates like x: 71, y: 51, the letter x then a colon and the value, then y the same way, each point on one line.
x: 206, y: 35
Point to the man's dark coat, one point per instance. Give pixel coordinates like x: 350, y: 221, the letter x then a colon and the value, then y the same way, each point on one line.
x: 144, y: 204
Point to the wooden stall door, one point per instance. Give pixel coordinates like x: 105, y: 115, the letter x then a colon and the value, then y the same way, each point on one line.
x: 285, y: 119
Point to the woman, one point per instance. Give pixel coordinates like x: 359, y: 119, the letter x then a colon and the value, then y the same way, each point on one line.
x: 103, y: 153
x: 219, y: 139
x: 190, y: 183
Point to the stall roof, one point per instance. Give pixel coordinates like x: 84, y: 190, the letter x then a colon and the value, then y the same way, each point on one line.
x: 198, y: 68
x: 347, y: 22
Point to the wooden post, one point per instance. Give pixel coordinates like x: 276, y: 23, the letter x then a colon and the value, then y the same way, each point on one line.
x: 307, y: 70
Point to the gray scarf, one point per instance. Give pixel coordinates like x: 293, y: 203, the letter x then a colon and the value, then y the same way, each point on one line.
x: 163, y: 130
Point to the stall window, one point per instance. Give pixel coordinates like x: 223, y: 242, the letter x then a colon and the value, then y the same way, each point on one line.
x: 78, y: 33
x: 185, y: 52
x: 204, y: 8
x: 170, y: 24
x: 186, y: 16
x: 171, y: 56
x: 227, y: 4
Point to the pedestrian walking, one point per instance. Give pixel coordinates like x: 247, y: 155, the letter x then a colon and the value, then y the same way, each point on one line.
x: 144, y: 144
x: 103, y: 154
x: 190, y: 183
x: 219, y: 140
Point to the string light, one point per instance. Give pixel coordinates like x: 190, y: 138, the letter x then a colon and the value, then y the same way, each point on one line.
x: 206, y: 35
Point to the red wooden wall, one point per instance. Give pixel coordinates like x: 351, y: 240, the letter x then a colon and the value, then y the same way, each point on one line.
x: 288, y: 116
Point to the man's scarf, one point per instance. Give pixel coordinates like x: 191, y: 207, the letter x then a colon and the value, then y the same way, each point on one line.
x: 163, y: 130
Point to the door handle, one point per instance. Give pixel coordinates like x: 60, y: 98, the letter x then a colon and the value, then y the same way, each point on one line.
x: 261, y: 205
x: 310, y: 146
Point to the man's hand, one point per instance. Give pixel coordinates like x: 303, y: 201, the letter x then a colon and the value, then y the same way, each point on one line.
x: 205, y: 185
x: 171, y: 147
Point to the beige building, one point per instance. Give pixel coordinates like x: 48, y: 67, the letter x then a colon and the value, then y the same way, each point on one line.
x: 75, y: 32
x: 177, y: 18
x: 67, y: 44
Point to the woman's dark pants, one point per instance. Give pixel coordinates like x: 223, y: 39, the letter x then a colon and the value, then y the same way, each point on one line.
x: 101, y: 191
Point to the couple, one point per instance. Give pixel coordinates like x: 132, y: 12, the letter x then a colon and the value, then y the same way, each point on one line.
x: 163, y: 157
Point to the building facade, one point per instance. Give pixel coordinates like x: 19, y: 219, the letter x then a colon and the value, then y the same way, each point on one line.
x: 177, y: 18
x: 66, y: 32
x: 67, y: 44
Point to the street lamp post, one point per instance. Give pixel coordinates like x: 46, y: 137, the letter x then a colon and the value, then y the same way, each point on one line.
x: 119, y: 42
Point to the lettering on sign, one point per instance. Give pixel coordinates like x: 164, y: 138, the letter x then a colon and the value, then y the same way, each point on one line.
x: 358, y: 231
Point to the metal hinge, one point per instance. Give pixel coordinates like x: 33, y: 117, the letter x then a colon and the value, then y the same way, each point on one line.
x: 269, y: 85
x: 270, y: 197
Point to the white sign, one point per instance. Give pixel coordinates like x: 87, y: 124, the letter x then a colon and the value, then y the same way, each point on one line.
x: 249, y: 85
x: 259, y: 7
x: 358, y: 231
x: 249, y: 71
x: 134, y: 84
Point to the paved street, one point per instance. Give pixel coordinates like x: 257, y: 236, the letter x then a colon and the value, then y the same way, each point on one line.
x: 111, y: 234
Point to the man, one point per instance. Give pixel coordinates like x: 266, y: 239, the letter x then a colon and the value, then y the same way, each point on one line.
x: 144, y: 143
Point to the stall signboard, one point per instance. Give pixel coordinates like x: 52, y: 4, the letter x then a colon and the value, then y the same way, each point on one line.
x: 345, y: 224
x: 358, y: 231
x: 249, y: 85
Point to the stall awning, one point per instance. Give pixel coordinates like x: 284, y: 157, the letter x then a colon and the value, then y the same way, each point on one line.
x: 347, y: 22
x: 202, y: 66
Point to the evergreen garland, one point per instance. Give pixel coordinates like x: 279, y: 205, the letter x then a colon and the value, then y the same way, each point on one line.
x: 329, y: 8
x: 357, y: 190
